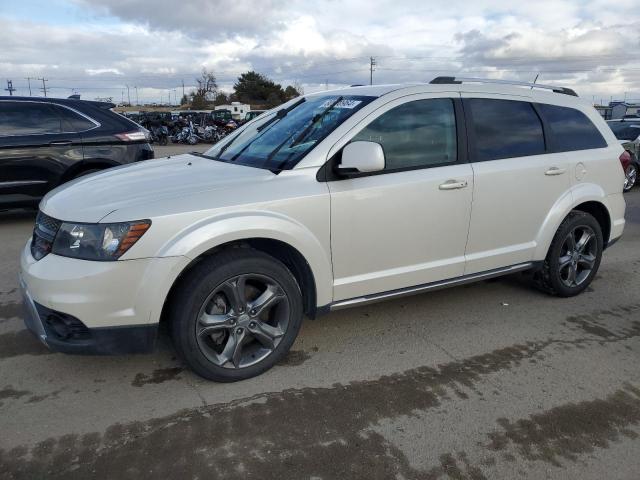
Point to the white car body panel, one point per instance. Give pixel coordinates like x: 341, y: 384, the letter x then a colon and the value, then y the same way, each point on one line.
x: 359, y: 236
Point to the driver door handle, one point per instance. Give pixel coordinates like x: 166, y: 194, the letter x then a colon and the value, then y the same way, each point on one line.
x: 60, y: 143
x: 555, y: 171
x: 453, y: 185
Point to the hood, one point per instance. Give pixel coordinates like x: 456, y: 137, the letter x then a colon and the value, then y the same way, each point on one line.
x: 91, y: 198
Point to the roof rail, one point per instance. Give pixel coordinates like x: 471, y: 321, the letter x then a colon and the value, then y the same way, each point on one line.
x: 454, y: 80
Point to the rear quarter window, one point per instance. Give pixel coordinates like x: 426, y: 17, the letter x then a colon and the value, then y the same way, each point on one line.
x: 571, y: 129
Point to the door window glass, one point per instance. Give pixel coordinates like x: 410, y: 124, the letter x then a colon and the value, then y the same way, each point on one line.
x: 73, y: 122
x: 421, y: 133
x: 28, y: 118
x: 505, y: 129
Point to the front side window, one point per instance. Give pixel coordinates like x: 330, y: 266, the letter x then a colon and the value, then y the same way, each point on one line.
x: 571, y: 129
x: 421, y: 133
x: 280, y: 140
x: 28, y: 118
x: 505, y: 129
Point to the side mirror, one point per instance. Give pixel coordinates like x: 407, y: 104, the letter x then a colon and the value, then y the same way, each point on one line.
x: 361, y: 157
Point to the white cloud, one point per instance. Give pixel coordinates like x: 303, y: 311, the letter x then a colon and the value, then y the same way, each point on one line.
x: 589, y: 44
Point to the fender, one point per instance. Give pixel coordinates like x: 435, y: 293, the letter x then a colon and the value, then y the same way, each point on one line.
x: 581, y: 193
x: 211, y: 232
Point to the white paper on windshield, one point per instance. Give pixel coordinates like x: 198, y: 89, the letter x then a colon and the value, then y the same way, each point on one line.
x: 345, y: 103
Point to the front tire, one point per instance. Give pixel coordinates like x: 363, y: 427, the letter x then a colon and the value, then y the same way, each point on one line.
x: 235, y: 315
x: 574, y: 256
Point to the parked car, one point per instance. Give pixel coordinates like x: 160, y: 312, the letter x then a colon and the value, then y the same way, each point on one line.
x: 45, y: 142
x: 627, y: 131
x: 333, y: 200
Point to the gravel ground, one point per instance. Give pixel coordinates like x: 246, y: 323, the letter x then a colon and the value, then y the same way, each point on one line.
x: 491, y: 380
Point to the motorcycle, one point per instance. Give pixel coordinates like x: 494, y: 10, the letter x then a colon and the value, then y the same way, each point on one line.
x: 186, y: 135
x: 159, y: 135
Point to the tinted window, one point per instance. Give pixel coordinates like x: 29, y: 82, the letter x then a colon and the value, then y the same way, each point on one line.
x: 505, y: 129
x: 625, y: 130
x: 72, y: 121
x: 415, y: 134
x: 571, y: 129
x: 28, y: 118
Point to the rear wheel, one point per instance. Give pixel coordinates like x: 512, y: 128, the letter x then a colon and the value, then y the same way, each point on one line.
x: 630, y: 176
x: 574, y: 256
x: 235, y: 315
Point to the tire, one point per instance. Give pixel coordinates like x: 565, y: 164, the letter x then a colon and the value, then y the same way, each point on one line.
x: 555, y: 276
x: 207, y: 323
x: 192, y: 140
x: 630, y: 176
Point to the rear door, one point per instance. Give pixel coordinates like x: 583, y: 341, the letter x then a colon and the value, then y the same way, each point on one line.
x: 516, y: 180
x: 36, y: 149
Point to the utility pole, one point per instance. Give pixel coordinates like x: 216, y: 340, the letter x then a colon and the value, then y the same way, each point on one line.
x: 44, y: 85
x: 28, y: 79
x: 137, y: 102
x: 10, y: 88
x: 372, y: 64
x: 128, y: 96
x: 182, y: 88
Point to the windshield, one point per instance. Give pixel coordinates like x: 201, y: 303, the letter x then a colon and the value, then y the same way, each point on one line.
x: 280, y: 139
x: 625, y: 130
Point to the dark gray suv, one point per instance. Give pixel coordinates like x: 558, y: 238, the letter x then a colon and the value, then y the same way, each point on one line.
x: 45, y: 142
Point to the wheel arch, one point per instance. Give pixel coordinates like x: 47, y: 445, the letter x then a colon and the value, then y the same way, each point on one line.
x: 588, y: 198
x: 89, y: 164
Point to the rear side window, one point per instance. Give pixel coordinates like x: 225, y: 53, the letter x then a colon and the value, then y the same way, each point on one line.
x: 72, y: 121
x: 416, y: 134
x: 505, y: 129
x: 28, y: 118
x: 571, y: 129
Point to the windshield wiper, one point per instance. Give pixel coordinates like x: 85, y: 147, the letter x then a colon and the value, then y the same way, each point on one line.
x: 303, y: 134
x: 280, y: 114
x: 314, y: 120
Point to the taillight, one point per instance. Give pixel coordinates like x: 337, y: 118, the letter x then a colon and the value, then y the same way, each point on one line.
x: 625, y: 159
x: 136, y: 136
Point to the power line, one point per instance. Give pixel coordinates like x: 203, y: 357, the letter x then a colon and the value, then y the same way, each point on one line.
x: 28, y: 79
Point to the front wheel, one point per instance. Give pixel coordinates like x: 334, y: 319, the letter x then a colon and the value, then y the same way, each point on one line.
x: 574, y: 256
x: 235, y: 315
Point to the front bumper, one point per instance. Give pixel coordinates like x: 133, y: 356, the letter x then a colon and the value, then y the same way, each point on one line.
x: 114, y: 305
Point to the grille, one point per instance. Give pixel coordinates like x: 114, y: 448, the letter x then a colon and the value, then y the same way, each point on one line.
x: 44, y: 233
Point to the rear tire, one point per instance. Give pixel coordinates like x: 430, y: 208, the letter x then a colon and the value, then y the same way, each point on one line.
x: 630, y: 176
x: 574, y: 256
x: 235, y: 315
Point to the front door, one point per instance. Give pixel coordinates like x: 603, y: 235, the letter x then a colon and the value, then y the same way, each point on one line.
x: 406, y: 225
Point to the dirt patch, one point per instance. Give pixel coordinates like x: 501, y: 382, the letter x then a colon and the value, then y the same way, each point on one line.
x: 10, y: 392
x: 10, y: 310
x: 573, y: 429
x: 21, y: 342
x: 160, y: 375
x: 294, y: 358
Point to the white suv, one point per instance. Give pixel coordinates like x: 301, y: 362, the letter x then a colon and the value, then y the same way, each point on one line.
x: 332, y: 200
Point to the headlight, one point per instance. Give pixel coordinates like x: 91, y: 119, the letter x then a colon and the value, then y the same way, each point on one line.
x: 98, y: 241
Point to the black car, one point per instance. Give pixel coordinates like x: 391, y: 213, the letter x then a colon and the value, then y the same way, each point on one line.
x: 45, y: 142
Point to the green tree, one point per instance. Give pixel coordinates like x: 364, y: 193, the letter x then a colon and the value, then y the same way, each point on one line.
x: 291, y: 92
x: 256, y: 89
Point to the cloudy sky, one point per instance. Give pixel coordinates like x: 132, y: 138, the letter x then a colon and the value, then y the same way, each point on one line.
x: 97, y: 48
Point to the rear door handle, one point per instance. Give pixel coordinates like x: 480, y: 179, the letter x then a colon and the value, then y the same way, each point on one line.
x: 555, y: 171
x: 453, y: 185
x: 60, y: 143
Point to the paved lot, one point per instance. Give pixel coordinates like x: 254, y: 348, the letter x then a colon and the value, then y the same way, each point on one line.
x: 492, y: 380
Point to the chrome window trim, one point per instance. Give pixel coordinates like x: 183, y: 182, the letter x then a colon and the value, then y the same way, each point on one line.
x: 95, y: 122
